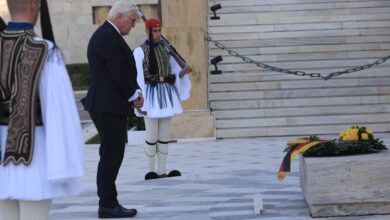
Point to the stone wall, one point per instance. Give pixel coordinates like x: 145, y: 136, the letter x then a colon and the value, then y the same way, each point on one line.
x: 73, y: 26
x: 185, y: 25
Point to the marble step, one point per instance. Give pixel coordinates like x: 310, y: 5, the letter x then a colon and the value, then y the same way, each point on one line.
x: 280, y: 29
x: 217, y: 88
x: 300, y: 93
x: 274, y: 28
x: 300, y: 102
x: 256, y: 17
x: 84, y: 115
x: 266, y: 76
x: 301, y: 12
x: 340, y: 55
x: 318, y: 120
x: 80, y: 94
x: 273, y: 2
x: 302, y: 111
x: 298, y: 52
x: 306, y: 45
x: 256, y: 47
x: 303, y: 131
x: 299, y: 65
x: 281, y: 35
x: 285, y: 40
x: 228, y: 35
x: 225, y: 12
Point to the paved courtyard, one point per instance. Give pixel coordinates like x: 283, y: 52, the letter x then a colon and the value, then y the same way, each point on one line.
x: 219, y: 180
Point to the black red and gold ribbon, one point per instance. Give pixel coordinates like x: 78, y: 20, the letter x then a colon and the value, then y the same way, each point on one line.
x: 296, y: 147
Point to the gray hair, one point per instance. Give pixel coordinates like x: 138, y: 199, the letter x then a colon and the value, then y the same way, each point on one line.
x: 120, y: 7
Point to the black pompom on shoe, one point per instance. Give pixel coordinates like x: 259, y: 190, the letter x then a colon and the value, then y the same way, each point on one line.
x: 174, y: 173
x: 151, y: 175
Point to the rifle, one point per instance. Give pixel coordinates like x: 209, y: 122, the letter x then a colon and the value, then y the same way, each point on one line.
x: 171, y: 49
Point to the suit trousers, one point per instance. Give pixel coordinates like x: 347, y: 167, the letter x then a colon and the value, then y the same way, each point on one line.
x: 24, y: 210
x: 113, y: 136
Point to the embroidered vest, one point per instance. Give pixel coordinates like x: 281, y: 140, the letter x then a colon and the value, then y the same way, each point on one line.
x: 164, y: 67
x: 21, y: 63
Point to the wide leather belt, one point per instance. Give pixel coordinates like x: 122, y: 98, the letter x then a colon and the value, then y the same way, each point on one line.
x: 154, y: 80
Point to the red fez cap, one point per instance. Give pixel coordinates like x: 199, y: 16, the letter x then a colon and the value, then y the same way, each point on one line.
x: 153, y: 23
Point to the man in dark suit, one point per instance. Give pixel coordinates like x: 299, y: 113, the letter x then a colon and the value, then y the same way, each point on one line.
x: 112, y: 95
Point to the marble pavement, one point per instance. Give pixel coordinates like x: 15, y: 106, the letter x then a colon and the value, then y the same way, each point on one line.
x: 218, y: 183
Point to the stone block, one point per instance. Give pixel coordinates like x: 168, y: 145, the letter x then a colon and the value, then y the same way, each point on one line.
x: 346, y: 186
x: 193, y: 124
x: 136, y: 137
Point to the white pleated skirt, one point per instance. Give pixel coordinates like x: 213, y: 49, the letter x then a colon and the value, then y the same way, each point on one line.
x: 161, y: 101
x: 30, y: 183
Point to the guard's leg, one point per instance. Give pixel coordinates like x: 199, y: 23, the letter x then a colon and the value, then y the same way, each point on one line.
x: 162, y: 144
x: 35, y: 210
x: 9, y: 210
x: 151, y: 126
x: 150, y: 152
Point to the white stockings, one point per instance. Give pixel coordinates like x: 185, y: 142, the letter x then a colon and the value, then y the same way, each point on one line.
x: 24, y: 210
x: 157, y: 137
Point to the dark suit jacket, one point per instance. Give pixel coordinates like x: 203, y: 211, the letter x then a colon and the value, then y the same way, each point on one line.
x: 113, y: 73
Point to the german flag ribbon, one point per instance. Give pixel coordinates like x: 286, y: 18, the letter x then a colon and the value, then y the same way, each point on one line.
x: 296, y: 147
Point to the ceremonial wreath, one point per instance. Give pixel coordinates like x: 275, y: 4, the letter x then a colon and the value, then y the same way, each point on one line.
x: 354, y: 140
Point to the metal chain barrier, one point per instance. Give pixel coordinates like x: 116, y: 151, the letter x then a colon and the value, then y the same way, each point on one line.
x: 296, y: 72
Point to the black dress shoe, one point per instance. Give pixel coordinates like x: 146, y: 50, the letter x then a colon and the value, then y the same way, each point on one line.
x: 174, y: 173
x: 117, y: 212
x: 151, y: 175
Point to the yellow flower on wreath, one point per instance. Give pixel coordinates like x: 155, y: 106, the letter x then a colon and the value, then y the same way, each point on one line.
x: 364, y: 136
x: 351, y: 134
x: 342, y: 134
x: 350, y: 138
x: 353, y: 131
